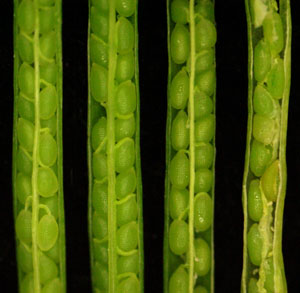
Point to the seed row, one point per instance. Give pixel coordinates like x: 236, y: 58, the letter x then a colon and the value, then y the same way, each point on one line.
x: 114, y: 211
x: 191, y: 175
x: 37, y: 189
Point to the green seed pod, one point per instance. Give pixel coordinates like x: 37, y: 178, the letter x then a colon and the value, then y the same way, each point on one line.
x: 26, y: 285
x: 205, y: 34
x: 24, y: 163
x: 270, y: 181
x: 125, y: 8
x: 99, y: 226
x: 260, y: 157
x: 47, y: 232
x: 126, y: 98
x: 262, y: 60
x: 180, y: 11
x: 47, y: 183
x: 206, y: 10
x: 124, y: 128
x: 47, y: 149
x: 23, y: 226
x: 100, y: 199
x: 101, y: 252
x: 25, y: 47
x: 102, y: 5
x: 255, y: 244
x: 125, y: 35
x: 99, y: 24
x: 202, y: 257
x: 26, y: 79
x: 24, y: 256
x: 180, y: 135
x: 53, y: 286
x: 51, y: 203
x: 204, y: 155
x: 48, y: 269
x: 50, y: 124
x: 179, y: 237
x: 48, y: 73
x: 206, y: 80
x: 252, y: 287
x: 23, y: 187
x: 26, y: 16
x: 204, y: 60
x: 129, y: 285
x: 179, y: 281
x: 269, y: 269
x: 264, y: 129
x: 276, y: 79
x: 99, y: 132
x: 124, y: 155
x: 47, y: 20
x: 128, y: 264
x: 25, y: 131
x: 127, y: 211
x: 127, y: 236
x: 25, y: 109
x: 179, y: 172
x: 180, y: 44
x: 205, y: 128
x: 54, y: 252
x: 125, y: 67
x: 179, y: 90
x: 273, y: 32
x: 200, y: 289
x: 178, y: 202
x: 262, y: 101
x: 98, y: 52
x: 48, y: 46
x: 203, y: 104
x: 203, y: 180
x: 125, y: 183
x: 100, y: 277
x: 202, y: 212
x: 255, y: 204
x: 98, y: 81
x: 99, y: 165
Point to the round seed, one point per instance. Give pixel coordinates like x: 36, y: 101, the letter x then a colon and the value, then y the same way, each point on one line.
x: 25, y: 131
x: 179, y: 90
x: 25, y: 109
x: 124, y: 128
x: 102, y: 5
x: 126, y: 98
x: 54, y: 252
x: 23, y: 226
x: 47, y: 20
x: 125, y: 35
x: 130, y: 284
x: 264, y: 129
x: 180, y: 136
x: 270, y: 181
x: 179, y: 237
x: 180, y: 11
x: 262, y: 60
x: 26, y: 79
x: 26, y: 285
x: 99, y: 165
x: 50, y: 124
x: 24, y: 258
x: 25, y: 16
x: 205, y: 33
x: 125, y: 183
x: 180, y: 44
x: 269, y: 270
x: 178, y: 202
x: 179, y: 172
x: 53, y: 286
x: 48, y: 73
x: 125, y: 67
x: 202, y: 257
x: 99, y: 132
x: 204, y: 155
x: 276, y: 79
x: 47, y: 232
x: 179, y: 281
x: 101, y: 252
x: 127, y: 211
x: 99, y: 83
x: 51, y: 203
x: 100, y: 276
x: 262, y: 101
x: 128, y: 264
x: 260, y: 157
x: 99, y: 24
x: 48, y: 102
x: 205, y: 128
x: 206, y: 10
x: 99, y: 226
x: 124, y: 155
x: 252, y: 287
x: 255, y: 205
x: 47, y: 149
x: 203, y: 104
x: 24, y: 163
x: 202, y: 212
x: 25, y: 48
x: 47, y: 183
x: 23, y: 187
x: 255, y: 245
x: 127, y: 236
x: 203, y: 180
x: 206, y: 80
x: 48, y: 269
x: 125, y: 8
x: 98, y: 52
x: 100, y: 199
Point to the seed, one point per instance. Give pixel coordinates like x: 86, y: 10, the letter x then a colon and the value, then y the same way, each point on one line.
x: 48, y: 269
x: 205, y: 128
x: 24, y: 162
x: 203, y: 180
x: 270, y: 181
x: 179, y: 237
x: 25, y: 47
x: 276, y: 79
x: 47, y: 149
x: 23, y: 187
x: 203, y: 104
x: 128, y: 264
x: 23, y: 226
x: 26, y: 79
x: 124, y: 155
x: 206, y: 10
x: 24, y: 258
x: 47, y: 183
x: 51, y: 203
x: 100, y: 199
x: 50, y: 124
x: 255, y: 245
x: 130, y: 284
x: 99, y: 24
x: 202, y: 257
x: 180, y: 132
x: 202, y: 212
x: 127, y: 236
x: 255, y: 205
x: 52, y: 286
x: 25, y: 109
x: 99, y: 165
x: 262, y: 101
x: 252, y: 287
x: 48, y: 73
x: 101, y: 252
x: 205, y: 81
x: 46, y: 2
x: 126, y: 98
x: 179, y: 90
x: 127, y: 212
x: 180, y: 11
x: 25, y: 16
x: 125, y: 7
x: 99, y: 226
x: 125, y: 183
x: 179, y: 281
x: 204, y: 155
x: 100, y: 276
x: 179, y: 172
x: 204, y: 60
x: 125, y: 67
x: 125, y: 36
x: 54, y: 252
x: 98, y: 52
x: 98, y: 82
x: 205, y: 34
x: 180, y: 44
x: 25, y: 131
x: 264, y: 129
x: 99, y: 132
x: 26, y: 285
x: 47, y: 232
x: 47, y: 20
x: 178, y: 202
x: 124, y: 128
x: 262, y: 60
x: 102, y: 5
x: 48, y: 46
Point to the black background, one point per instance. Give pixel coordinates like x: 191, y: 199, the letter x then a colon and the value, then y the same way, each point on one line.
x: 231, y: 53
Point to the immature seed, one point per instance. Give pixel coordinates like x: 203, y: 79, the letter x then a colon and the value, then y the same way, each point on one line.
x: 180, y: 45
x: 178, y: 237
x: 203, y: 212
x: 254, y: 245
x: 202, y: 257
x: 270, y: 181
x: 179, y: 281
x: 255, y: 205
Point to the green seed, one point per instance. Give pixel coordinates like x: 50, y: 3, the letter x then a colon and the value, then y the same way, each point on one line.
x: 99, y: 83
x: 26, y: 285
x: 102, y: 5
x: 125, y: 7
x: 51, y: 203
x: 200, y: 289
x: 203, y: 180
x: 255, y: 205
x: 206, y: 10
x: 125, y: 67
x: 124, y: 155
x: 262, y: 101
x: 205, y: 128
x: 276, y: 79
x: 262, y: 60
x: 202, y: 257
x: 205, y: 81
x: 180, y: 44
x: 53, y: 286
x: 127, y: 236
x: 179, y: 90
x: 179, y: 237
x: 204, y: 155
x: 48, y: 46
x: 25, y: 16
x: 24, y: 258
x: 99, y: 166
x: 180, y: 11
x: 179, y: 171
x: 178, y: 202
x: 26, y: 79
x: 47, y: 232
x: 99, y: 132
x: 101, y: 252
x: 99, y: 24
x: 25, y: 131
x: 50, y: 124
x: 203, y: 104
x: 269, y: 269
x: 48, y: 269
x: 54, y: 252
x: 100, y: 199
x: 47, y: 183
x: 23, y: 226
x: 23, y: 187
x: 100, y: 276
x: 202, y: 212
x: 47, y: 149
x: 124, y: 128
x: 25, y: 47
x: 100, y: 228
x: 270, y: 181
x: 48, y: 73
x: 25, y: 109
x: 128, y: 264
x: 125, y: 35
x: 127, y: 212
x: 129, y: 285
x: 98, y: 52
x: 47, y: 20
x: 179, y: 281
x: 205, y: 34
x: 252, y: 287
x: 126, y: 98
x: 264, y: 129
x: 125, y: 183
x: 180, y: 136
x: 255, y: 244
x: 204, y: 60
x: 24, y: 162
